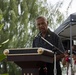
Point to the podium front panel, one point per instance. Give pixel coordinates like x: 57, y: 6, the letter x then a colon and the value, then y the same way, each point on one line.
x: 30, y: 59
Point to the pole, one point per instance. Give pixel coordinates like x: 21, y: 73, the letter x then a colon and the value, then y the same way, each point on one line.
x: 71, y: 49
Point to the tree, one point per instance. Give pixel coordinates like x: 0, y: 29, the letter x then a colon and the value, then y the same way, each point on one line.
x: 1, y: 44
x: 19, y: 17
x: 19, y: 23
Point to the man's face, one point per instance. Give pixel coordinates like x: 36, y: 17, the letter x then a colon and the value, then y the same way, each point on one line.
x: 42, y: 25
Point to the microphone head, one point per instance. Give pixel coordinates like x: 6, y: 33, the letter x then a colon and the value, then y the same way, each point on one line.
x: 39, y: 34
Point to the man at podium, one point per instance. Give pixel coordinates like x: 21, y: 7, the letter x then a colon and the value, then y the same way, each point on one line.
x: 51, y: 37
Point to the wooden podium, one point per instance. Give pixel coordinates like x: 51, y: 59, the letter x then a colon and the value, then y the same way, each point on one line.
x: 29, y: 62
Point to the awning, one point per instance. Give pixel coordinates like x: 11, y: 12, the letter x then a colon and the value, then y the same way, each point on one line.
x: 67, y: 27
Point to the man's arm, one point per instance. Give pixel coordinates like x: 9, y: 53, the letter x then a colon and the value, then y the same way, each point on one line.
x: 60, y: 56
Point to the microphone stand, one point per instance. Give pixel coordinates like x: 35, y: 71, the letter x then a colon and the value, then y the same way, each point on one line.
x: 51, y: 44
x: 55, y: 71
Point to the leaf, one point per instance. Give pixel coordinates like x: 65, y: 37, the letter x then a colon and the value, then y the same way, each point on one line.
x: 5, y: 74
x: 1, y: 17
x: 0, y: 46
x: 2, y: 56
x: 1, y: 26
x: 5, y: 41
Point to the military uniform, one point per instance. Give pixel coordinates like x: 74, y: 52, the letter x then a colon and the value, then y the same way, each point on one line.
x: 55, y: 40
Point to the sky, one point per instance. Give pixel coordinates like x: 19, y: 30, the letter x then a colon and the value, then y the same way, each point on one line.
x: 72, y: 8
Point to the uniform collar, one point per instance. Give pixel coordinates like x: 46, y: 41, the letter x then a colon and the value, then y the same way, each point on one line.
x: 47, y: 34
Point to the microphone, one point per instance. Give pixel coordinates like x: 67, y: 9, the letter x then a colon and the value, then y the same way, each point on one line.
x: 39, y: 34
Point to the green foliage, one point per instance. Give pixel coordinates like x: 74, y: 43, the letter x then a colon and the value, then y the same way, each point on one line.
x: 13, y: 69
x: 17, y: 24
x: 1, y: 25
x: 2, y: 56
x: 19, y: 17
x: 1, y: 18
x: 4, y: 74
